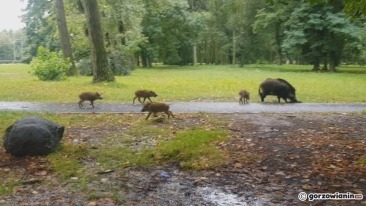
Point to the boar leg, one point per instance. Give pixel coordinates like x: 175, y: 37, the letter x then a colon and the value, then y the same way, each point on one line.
x: 140, y: 100
x: 92, y: 104
x: 133, y: 101
x: 80, y: 104
x: 148, y: 115
x: 149, y: 99
x: 169, y: 113
x: 262, y: 97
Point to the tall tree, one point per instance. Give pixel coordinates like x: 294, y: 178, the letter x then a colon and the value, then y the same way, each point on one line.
x: 321, y: 33
x: 271, y: 20
x: 251, y: 46
x: 101, y: 70
x: 64, y: 36
x: 169, y: 32
x: 40, y: 29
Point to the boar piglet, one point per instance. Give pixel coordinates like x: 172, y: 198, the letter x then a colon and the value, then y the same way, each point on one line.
x: 244, y: 96
x: 89, y: 96
x: 146, y: 94
x: 155, y: 108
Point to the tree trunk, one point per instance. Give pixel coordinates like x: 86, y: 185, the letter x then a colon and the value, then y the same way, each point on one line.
x: 207, y: 53
x: 234, y: 48
x: 64, y: 36
x: 332, y: 61
x: 325, y: 66
x: 316, y: 66
x: 194, y: 55
x: 278, y: 43
x: 101, y: 70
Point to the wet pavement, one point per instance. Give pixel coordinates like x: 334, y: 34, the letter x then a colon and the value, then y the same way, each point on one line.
x: 186, y: 107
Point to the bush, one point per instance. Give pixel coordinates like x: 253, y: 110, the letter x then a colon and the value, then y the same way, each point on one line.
x: 84, y: 67
x: 50, y: 66
x: 120, y: 63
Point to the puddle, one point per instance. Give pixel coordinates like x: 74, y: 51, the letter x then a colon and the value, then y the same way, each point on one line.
x: 220, y: 198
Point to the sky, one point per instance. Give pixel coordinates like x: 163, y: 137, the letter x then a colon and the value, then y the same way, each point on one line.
x: 10, y: 12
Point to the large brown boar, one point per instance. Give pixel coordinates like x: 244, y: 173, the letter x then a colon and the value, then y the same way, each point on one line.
x: 278, y: 87
x: 155, y: 108
x: 89, y: 96
x: 146, y: 94
x: 244, y: 97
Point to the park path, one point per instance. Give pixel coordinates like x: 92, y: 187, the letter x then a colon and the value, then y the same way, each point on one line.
x: 186, y: 107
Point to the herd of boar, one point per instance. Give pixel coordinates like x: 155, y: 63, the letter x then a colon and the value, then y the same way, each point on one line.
x: 277, y: 87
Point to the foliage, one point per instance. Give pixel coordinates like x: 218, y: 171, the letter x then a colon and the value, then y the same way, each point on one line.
x: 49, y: 66
x: 211, y: 32
x: 320, y: 33
x: 11, y: 46
x: 84, y: 67
x: 120, y: 63
x: 167, y: 22
x: 355, y: 8
x: 123, y: 22
x: 40, y: 28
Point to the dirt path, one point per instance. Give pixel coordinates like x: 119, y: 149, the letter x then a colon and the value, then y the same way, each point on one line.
x: 186, y: 107
x: 272, y: 158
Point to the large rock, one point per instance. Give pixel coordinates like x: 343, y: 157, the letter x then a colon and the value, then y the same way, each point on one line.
x: 32, y: 136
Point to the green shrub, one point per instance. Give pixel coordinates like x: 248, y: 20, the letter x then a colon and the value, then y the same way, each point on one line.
x: 120, y: 63
x: 84, y: 67
x: 50, y: 66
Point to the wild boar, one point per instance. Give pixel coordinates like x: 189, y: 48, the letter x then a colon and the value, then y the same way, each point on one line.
x: 277, y: 87
x: 244, y: 96
x: 89, y: 96
x: 146, y: 94
x: 155, y: 108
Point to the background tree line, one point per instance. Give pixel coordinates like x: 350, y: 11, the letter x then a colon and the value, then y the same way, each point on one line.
x: 323, y: 33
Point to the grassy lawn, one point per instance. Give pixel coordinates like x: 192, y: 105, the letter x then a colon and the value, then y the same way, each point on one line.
x: 203, y: 82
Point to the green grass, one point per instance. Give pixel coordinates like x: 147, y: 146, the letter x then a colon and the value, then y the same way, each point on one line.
x: 65, y: 160
x: 193, y: 149
x: 203, y: 82
x: 7, y: 118
x: 362, y: 160
x: 190, y: 149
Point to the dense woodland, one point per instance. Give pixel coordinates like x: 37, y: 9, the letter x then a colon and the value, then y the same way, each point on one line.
x: 321, y: 33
